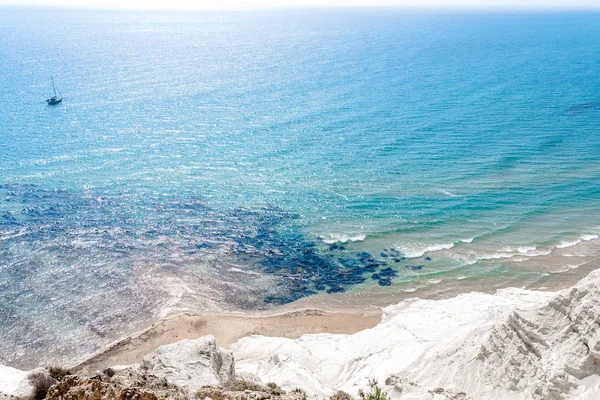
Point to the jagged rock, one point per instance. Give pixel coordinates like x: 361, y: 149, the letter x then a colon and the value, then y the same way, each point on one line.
x: 409, y: 339
x: 548, y: 351
x: 248, y: 377
x: 517, y: 344
x: 10, y: 378
x: 209, y: 393
x: 75, y: 388
x: 134, y: 376
x: 191, y: 364
x: 17, y: 384
x: 398, y: 386
x: 544, y: 352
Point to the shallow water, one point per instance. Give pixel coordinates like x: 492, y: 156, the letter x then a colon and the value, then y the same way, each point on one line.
x: 227, y: 161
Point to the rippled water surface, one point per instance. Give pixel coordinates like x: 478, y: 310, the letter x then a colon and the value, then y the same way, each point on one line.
x: 227, y: 161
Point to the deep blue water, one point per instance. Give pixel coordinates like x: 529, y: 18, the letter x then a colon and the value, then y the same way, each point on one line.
x: 210, y: 161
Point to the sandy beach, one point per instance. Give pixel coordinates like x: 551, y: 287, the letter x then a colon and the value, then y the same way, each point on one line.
x: 227, y: 329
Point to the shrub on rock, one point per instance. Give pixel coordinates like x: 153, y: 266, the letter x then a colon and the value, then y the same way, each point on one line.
x: 40, y: 382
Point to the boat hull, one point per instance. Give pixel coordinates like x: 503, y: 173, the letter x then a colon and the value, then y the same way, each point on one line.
x: 52, y: 102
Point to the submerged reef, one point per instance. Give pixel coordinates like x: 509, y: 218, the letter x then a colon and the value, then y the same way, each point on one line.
x: 104, y: 237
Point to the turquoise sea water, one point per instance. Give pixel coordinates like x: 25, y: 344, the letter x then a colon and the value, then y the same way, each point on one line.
x: 226, y: 161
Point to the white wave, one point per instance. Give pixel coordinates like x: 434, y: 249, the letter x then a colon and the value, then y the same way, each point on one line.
x: 447, y: 193
x: 564, y: 245
x: 526, y: 249
x: 341, y: 238
x: 537, y: 252
x: 582, y: 238
x: 566, y: 268
x: 532, y: 251
x: 494, y: 256
x: 414, y: 252
x: 522, y: 253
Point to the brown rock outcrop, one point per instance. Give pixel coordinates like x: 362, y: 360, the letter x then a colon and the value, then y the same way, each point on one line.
x: 76, y: 388
x: 213, y: 393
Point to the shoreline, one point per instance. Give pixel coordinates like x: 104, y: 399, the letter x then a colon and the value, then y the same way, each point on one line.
x: 227, y: 329
x: 363, y: 305
x: 340, y: 313
x: 345, y: 313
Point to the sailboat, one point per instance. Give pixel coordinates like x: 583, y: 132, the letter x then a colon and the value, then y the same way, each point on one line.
x: 54, y: 99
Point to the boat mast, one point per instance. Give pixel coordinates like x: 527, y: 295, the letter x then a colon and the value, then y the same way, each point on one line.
x: 53, y: 87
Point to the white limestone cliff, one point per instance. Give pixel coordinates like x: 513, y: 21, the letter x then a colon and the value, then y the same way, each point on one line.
x: 16, y: 384
x: 516, y: 344
x: 191, y: 364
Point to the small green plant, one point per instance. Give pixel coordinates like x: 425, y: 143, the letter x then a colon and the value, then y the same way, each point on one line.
x: 109, y: 372
x: 58, y: 373
x: 241, y: 385
x: 340, y: 395
x: 211, y: 393
x: 275, y: 390
x: 375, y: 392
x: 41, y: 382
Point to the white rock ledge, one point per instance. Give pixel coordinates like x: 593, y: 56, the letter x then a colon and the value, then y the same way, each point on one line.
x: 10, y: 379
x: 191, y: 364
x: 516, y: 344
x: 15, y: 384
